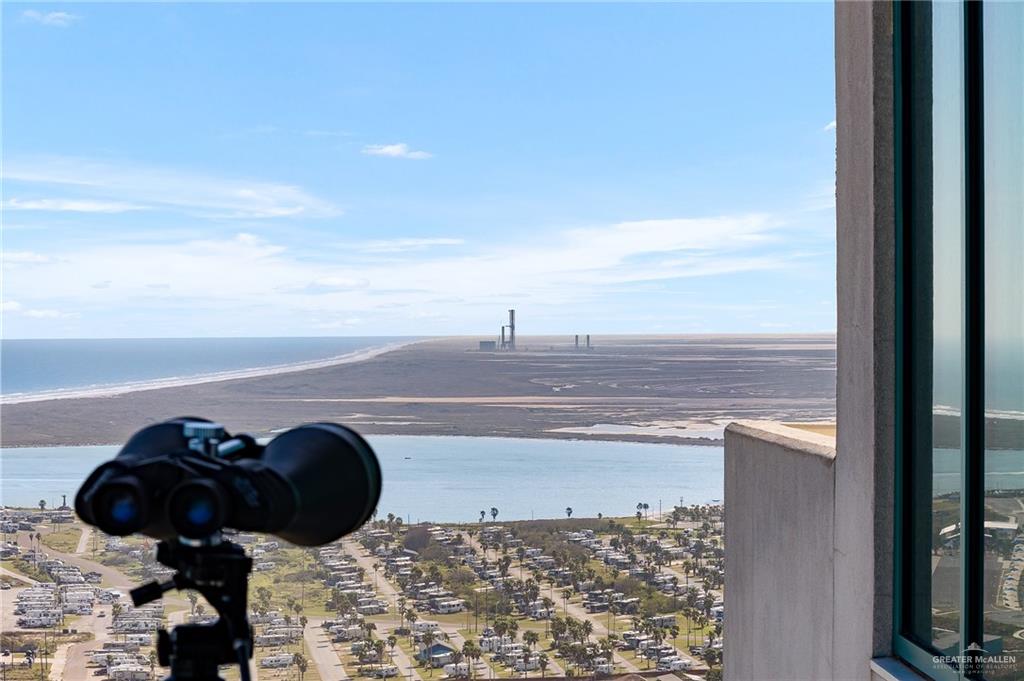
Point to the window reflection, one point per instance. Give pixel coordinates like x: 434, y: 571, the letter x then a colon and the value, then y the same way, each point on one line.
x: 1004, y: 337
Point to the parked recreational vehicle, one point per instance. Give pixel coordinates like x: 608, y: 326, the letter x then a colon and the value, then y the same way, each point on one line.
x: 278, y: 661
x: 456, y: 670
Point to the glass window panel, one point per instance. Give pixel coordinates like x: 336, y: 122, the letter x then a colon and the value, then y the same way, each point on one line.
x: 1004, y: 338
x: 932, y: 581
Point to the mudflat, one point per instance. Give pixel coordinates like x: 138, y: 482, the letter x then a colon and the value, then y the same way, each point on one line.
x: 679, y: 389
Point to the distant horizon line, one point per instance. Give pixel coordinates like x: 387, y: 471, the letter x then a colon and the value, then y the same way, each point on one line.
x: 520, y: 336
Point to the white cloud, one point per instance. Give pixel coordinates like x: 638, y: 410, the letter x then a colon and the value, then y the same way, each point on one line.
x: 334, y: 284
x: 169, y: 189
x: 247, y: 272
x: 14, y: 307
x: 830, y: 126
x: 399, y: 150
x: 22, y: 257
x: 406, y: 244
x: 58, y: 19
x: 49, y: 314
x: 70, y: 205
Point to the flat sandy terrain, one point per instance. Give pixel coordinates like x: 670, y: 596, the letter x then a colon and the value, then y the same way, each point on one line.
x: 680, y: 389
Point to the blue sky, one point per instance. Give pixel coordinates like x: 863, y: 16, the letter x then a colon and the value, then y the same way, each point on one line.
x: 268, y: 170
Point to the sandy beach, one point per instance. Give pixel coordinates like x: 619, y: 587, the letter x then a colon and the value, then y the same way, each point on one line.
x: 680, y: 389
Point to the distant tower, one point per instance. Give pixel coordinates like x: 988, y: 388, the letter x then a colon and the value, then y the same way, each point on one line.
x: 588, y: 341
x: 511, y: 329
x: 577, y: 342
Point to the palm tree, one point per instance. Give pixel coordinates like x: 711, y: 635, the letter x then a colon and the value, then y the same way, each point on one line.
x: 531, y: 638
x: 646, y: 507
x: 483, y: 514
x: 193, y: 598
x: 568, y: 511
x: 412, y: 617
x: 471, y: 651
x: 42, y: 504
x: 428, y: 643
x: 542, y: 660
x: 566, y: 595
x: 302, y: 663
x: 392, y: 642
x: 494, y: 513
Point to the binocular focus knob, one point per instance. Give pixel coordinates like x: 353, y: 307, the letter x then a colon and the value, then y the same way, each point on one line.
x: 203, y: 430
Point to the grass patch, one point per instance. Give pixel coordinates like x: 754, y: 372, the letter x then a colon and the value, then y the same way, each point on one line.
x: 26, y: 568
x: 64, y: 540
x: 293, y: 578
x: 19, y: 672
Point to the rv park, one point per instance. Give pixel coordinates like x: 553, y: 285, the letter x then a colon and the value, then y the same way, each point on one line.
x: 569, y: 597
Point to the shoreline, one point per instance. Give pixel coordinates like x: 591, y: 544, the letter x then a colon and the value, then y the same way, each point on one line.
x: 667, y: 440
x: 118, y: 389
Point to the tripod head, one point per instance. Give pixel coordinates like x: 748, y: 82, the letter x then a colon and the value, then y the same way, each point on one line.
x: 220, y: 572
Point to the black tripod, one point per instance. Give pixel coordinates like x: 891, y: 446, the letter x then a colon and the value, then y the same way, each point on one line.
x: 220, y: 572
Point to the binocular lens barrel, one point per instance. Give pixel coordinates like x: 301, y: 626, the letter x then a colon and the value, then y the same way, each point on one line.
x: 196, y: 508
x: 310, y: 485
x: 120, y: 506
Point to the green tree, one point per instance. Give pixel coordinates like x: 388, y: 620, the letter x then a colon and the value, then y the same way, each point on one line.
x: 302, y: 663
x: 429, y: 638
x: 472, y: 652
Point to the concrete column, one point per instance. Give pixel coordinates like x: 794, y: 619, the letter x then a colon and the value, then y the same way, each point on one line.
x: 865, y: 221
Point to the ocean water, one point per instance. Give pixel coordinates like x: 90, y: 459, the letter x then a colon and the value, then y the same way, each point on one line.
x: 451, y: 479
x: 35, y: 367
x: 1004, y: 470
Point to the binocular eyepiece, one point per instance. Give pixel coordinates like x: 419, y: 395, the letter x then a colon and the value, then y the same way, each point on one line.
x: 189, y: 478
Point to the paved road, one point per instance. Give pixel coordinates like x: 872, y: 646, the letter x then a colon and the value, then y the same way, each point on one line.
x: 327, y: 662
x: 70, y: 662
x: 8, y: 599
x: 83, y: 541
